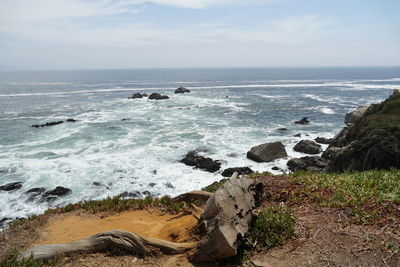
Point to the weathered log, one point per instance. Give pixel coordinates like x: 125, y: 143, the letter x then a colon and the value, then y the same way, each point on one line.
x: 108, y: 240
x: 193, y: 195
x: 226, y: 218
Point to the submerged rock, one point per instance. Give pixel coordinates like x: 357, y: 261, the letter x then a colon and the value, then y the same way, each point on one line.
x: 314, y: 163
x: 182, y: 90
x: 308, y: 147
x: 11, y: 186
x: 156, y: 96
x: 240, y: 170
x: 267, y: 152
x: 303, y: 121
x: 55, y: 193
x: 207, y: 164
x: 71, y: 120
x: 47, y: 124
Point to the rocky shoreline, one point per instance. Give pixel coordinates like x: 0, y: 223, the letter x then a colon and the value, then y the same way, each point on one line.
x: 371, y: 140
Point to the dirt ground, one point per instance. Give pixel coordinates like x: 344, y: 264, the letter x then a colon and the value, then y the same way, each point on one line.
x: 324, y: 236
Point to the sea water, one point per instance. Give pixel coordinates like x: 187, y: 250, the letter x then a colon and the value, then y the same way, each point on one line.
x: 135, y: 145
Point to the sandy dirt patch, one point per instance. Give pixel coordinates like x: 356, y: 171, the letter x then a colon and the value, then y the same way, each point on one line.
x: 72, y: 226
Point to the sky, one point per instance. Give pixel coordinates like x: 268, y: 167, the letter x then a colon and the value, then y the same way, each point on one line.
x: 116, y: 34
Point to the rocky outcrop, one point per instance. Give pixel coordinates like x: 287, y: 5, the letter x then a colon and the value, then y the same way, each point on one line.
x: 157, y: 96
x: 303, y: 121
x: 323, y: 140
x: 11, y: 186
x: 55, y: 193
x: 240, y: 170
x: 34, y: 193
x: 308, y: 147
x: 353, y: 116
x: 371, y: 142
x: 207, y: 164
x: 267, y: 152
x: 136, y: 95
x: 314, y: 163
x: 182, y: 90
x: 47, y: 124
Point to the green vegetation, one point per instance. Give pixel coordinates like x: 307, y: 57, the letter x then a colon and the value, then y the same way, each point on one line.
x: 366, y: 195
x: 118, y: 204
x: 272, y: 227
x: 387, y: 117
x: 13, y: 261
x: 214, y: 186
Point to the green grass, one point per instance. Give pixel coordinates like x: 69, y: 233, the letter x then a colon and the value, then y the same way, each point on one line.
x: 118, y: 204
x: 367, y: 194
x: 214, y: 186
x: 13, y: 261
x: 272, y: 227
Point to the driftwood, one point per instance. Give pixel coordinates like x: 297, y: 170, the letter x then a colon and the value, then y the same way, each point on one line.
x: 108, y: 240
x: 193, y: 195
x: 226, y: 218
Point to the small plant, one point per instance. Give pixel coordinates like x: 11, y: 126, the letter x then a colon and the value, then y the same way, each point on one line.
x: 14, y: 261
x: 272, y: 227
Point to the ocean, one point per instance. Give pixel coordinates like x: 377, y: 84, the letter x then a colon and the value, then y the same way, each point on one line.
x: 135, y: 145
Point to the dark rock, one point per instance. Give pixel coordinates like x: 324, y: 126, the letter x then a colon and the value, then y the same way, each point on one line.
x: 125, y: 119
x: 181, y: 90
x: 232, y: 155
x: 207, y: 164
x: 59, y: 191
x: 34, y: 193
x: 283, y: 129
x: 240, y: 170
x: 145, y: 95
x: 152, y: 184
x: 136, y: 95
x: 97, y: 184
x: 47, y: 124
x: 11, y: 186
x: 275, y: 168
x: 169, y: 185
x: 323, y: 140
x: 267, y: 152
x: 314, y: 163
x: 157, y: 96
x: 308, y: 147
x: 297, y: 135
x: 71, y: 120
x: 303, y: 121
x: 371, y: 142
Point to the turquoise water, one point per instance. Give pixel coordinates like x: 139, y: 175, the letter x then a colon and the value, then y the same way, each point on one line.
x: 227, y: 112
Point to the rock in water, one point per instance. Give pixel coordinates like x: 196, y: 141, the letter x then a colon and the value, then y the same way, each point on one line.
x: 323, y: 140
x: 314, y: 163
x: 353, y: 116
x: 157, y: 96
x: 55, y: 193
x: 182, y: 90
x: 207, y: 164
x: 240, y: 170
x: 267, y: 152
x: 136, y: 95
x: 11, y: 186
x: 303, y: 121
x: 47, y: 124
x: 372, y: 142
x: 226, y: 218
x: 308, y: 147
